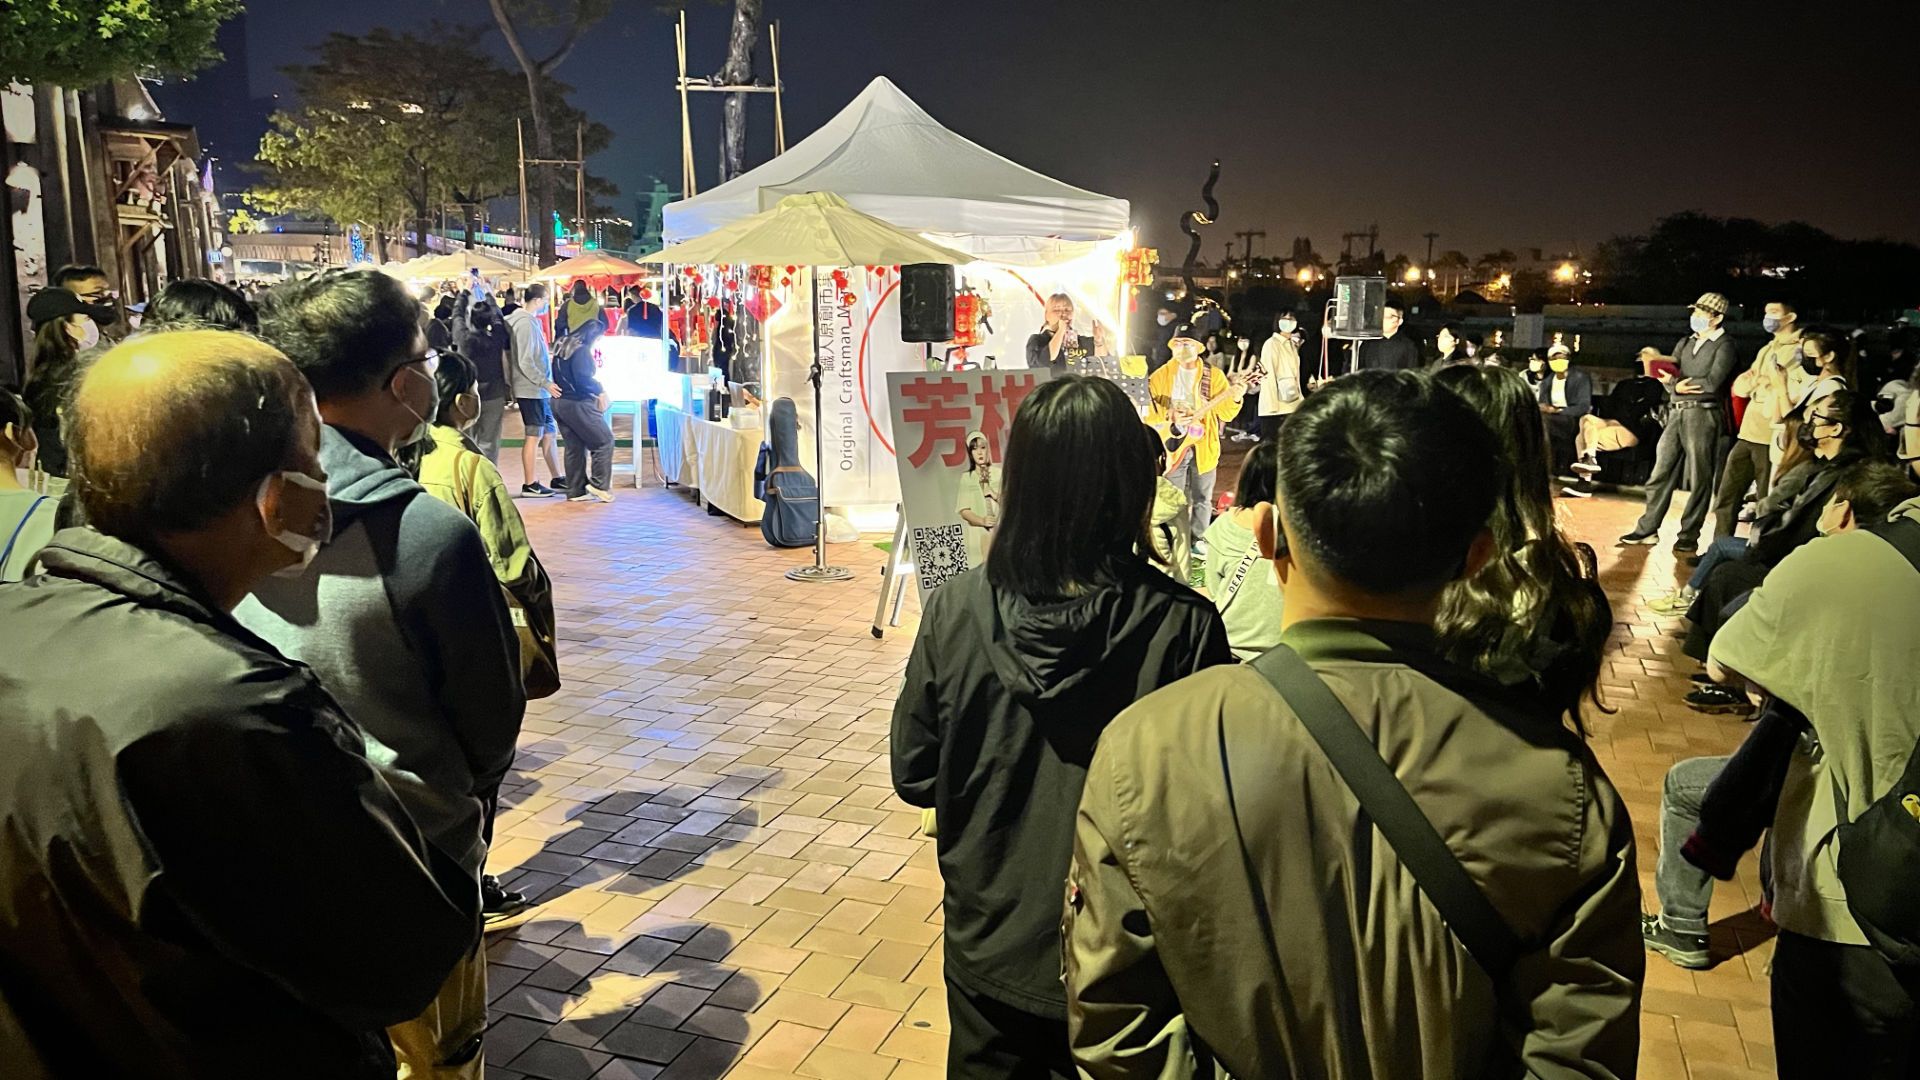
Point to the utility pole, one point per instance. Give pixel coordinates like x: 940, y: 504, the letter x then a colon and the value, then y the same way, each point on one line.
x: 1246, y: 259
x: 1431, y: 237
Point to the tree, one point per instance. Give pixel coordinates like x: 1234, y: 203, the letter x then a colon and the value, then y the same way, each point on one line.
x: 738, y: 71
x: 575, y: 16
x: 78, y: 43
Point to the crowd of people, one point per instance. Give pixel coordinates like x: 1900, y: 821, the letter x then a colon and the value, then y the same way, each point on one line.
x: 1333, y: 813
x: 1200, y: 767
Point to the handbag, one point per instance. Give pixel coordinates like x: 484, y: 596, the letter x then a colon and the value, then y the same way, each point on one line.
x: 1462, y: 905
x: 529, y: 607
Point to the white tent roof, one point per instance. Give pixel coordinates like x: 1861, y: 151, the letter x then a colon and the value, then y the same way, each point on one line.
x: 888, y: 158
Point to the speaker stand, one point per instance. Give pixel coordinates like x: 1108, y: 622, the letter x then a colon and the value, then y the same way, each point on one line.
x: 819, y: 571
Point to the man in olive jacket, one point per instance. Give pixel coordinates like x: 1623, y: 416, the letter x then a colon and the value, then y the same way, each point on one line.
x: 1169, y: 959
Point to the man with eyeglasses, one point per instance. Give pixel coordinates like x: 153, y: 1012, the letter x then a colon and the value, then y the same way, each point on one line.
x: 90, y: 284
x: 400, y: 615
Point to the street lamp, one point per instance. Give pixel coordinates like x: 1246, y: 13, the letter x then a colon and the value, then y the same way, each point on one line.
x: 1413, y: 274
x: 1305, y: 276
x: 1566, y: 273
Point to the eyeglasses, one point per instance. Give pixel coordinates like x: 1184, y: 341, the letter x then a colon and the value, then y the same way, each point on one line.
x: 430, y: 362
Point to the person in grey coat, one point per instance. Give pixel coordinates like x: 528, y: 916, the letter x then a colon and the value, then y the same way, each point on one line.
x: 1697, y: 417
x: 531, y: 380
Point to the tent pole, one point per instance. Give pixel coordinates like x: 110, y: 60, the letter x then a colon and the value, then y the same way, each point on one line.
x: 819, y: 571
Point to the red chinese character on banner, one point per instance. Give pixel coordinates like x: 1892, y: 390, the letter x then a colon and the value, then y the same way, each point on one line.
x: 998, y: 403
x: 940, y: 418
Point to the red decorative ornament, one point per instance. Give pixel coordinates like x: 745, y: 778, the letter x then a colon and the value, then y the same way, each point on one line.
x: 646, y: 292
x: 761, y: 277
x: 713, y: 303
x: 785, y: 281
x: 966, y: 319
x: 792, y: 270
x: 847, y: 299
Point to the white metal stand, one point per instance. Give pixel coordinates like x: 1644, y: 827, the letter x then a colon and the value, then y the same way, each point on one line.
x: 893, y: 585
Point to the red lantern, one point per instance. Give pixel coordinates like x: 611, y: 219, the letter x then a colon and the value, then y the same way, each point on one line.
x: 1137, y: 265
x: 761, y: 277
x: 966, y: 319
x: 713, y: 303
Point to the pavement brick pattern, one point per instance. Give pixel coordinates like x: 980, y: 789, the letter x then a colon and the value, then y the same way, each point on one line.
x: 729, y: 887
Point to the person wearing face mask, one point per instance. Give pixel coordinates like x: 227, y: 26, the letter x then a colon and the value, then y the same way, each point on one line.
x: 1159, y: 334
x: 1279, y: 375
x: 1689, y: 444
x: 1819, y: 370
x: 195, y: 834
x: 1536, y: 372
x: 26, y: 516
x: 402, y: 616
x: 90, y: 284
x: 454, y: 470
x: 1566, y: 395
x: 1750, y: 463
x: 64, y: 327
x: 531, y: 379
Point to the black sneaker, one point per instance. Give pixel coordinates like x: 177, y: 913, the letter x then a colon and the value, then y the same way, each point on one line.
x: 498, y: 903
x: 1714, y: 699
x: 1685, y: 950
x: 1588, y: 467
x: 1701, y: 678
x: 1639, y: 539
x: 1686, y: 547
x: 536, y: 490
x: 559, y: 483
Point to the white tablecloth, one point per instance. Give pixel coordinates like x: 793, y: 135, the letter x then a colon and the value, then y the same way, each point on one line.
x: 715, y: 459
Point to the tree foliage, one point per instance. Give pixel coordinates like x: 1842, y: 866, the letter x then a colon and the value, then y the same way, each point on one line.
x: 82, y: 42
x: 397, y: 126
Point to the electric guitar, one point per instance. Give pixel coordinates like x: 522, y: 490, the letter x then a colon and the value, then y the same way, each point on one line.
x: 1242, y: 374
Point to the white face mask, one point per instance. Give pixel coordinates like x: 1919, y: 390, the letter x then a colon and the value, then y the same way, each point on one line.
x: 1287, y: 325
x: 1165, y: 320
x: 89, y: 334
x: 425, y: 426
x: 304, y: 545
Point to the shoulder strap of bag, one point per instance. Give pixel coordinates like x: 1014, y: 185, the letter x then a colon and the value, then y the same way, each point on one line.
x: 1466, y: 909
x: 1904, y: 534
x: 7, y: 552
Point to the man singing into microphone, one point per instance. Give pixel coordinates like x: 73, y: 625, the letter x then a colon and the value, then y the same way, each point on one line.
x: 1056, y: 346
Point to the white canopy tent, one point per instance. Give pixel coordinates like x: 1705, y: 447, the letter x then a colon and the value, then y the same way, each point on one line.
x: 887, y: 157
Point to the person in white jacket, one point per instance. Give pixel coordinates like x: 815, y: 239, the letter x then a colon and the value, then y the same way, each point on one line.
x: 1280, y: 389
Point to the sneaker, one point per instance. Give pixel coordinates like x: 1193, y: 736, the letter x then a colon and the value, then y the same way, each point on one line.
x: 1574, y: 491
x: 602, y: 494
x: 536, y: 490
x: 1674, y: 603
x: 1685, y: 950
x: 1684, y: 548
x: 1199, y: 549
x: 1639, y: 539
x: 1590, y: 468
x: 559, y: 483
x: 498, y: 903
x: 1700, y: 678
x: 583, y: 497
x: 1715, y: 699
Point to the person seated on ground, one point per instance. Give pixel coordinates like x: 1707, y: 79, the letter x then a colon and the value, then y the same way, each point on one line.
x: 1536, y: 372
x: 1535, y: 615
x: 1018, y: 667
x: 1833, y: 631
x: 1866, y: 493
x: 1167, y: 527
x: 1209, y: 811
x: 204, y: 876
x: 197, y: 302
x: 1839, y: 432
x: 1566, y: 397
x: 1242, y: 583
x: 1612, y: 425
x: 26, y: 515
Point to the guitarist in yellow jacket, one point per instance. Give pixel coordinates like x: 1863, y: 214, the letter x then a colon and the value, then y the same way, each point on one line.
x: 1192, y: 400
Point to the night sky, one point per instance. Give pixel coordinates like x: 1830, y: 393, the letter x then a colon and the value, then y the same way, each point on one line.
x: 1511, y: 124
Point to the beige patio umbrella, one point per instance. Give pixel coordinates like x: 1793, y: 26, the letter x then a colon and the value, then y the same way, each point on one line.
x: 456, y: 264
x: 814, y: 230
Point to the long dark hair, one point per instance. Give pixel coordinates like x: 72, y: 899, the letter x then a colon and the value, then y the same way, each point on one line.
x: 1534, y: 601
x: 1077, y: 494
x: 1259, y: 476
x: 456, y: 375
x: 199, y: 302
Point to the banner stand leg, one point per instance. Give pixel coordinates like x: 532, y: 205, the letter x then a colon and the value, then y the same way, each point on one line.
x: 819, y: 571
x: 890, y: 575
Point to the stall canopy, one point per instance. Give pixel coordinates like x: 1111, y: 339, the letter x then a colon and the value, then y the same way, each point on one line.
x: 815, y: 229
x: 887, y: 157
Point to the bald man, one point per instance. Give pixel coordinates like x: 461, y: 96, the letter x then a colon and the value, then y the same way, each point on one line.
x: 201, y: 874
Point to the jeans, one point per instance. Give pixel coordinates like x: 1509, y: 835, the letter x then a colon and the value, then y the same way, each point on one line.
x: 1746, y: 465
x: 1842, y: 1011
x: 1724, y: 548
x: 1684, y: 888
x: 1197, y: 486
x: 1687, y: 450
x: 586, y: 431
x: 486, y: 430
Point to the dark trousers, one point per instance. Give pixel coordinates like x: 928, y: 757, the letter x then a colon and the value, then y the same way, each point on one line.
x: 1842, y: 1011
x: 587, y: 433
x: 1270, y: 426
x: 1747, y: 464
x: 1561, y: 428
x: 1687, y: 450
x: 1711, y: 609
x: 995, y: 1041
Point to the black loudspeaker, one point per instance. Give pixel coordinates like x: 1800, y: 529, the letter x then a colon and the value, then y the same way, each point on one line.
x: 1359, y: 308
x: 926, y: 302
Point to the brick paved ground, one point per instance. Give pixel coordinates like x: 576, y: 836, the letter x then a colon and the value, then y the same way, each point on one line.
x: 729, y: 886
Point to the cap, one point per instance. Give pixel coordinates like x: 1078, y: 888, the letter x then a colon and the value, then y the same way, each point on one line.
x: 49, y: 304
x: 1712, y: 303
x: 1558, y: 349
x: 1184, y: 330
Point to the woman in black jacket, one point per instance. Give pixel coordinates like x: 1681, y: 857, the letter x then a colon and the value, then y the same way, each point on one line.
x: 1018, y: 667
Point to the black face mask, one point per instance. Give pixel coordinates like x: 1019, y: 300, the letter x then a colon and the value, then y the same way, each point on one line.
x: 1807, y: 438
x: 1809, y: 364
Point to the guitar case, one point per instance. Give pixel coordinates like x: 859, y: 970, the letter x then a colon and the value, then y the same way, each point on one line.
x: 788, y: 490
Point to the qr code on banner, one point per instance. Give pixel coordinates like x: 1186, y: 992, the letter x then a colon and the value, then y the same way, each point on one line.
x: 939, y: 553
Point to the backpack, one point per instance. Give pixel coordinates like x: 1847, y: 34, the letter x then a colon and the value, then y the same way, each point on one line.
x: 1879, y: 861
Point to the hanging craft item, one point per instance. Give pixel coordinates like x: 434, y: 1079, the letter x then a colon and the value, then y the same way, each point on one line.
x: 761, y: 277
x: 1137, y: 265
x: 966, y: 318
